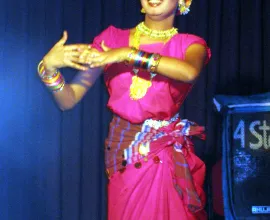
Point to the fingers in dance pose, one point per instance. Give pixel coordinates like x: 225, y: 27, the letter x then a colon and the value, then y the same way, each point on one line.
x: 62, y: 55
x: 107, y: 56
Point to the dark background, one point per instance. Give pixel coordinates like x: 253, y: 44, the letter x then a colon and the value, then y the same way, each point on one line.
x: 51, y: 163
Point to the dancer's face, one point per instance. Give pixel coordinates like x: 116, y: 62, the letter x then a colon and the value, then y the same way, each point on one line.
x: 160, y: 8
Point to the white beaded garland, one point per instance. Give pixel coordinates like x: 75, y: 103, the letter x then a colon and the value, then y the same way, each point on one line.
x: 156, y: 124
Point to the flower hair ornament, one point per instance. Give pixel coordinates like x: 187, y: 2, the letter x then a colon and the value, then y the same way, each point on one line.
x: 183, y: 7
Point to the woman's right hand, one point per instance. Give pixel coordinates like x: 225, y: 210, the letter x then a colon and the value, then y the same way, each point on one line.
x: 62, y: 55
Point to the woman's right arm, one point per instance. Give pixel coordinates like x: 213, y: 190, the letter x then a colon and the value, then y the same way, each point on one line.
x: 73, y: 56
x: 72, y: 93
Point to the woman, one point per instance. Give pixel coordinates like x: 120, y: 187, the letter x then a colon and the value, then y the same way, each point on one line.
x: 149, y: 70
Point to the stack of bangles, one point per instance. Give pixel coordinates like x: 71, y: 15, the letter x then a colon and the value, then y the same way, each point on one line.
x: 143, y: 60
x: 55, y: 82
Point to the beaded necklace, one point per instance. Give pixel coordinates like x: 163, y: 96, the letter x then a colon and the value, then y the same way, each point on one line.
x: 140, y: 86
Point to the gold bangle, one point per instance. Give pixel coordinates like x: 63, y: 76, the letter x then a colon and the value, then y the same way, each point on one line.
x: 51, y: 79
x: 154, y: 63
x: 130, y: 56
x: 42, y: 72
x: 40, y: 65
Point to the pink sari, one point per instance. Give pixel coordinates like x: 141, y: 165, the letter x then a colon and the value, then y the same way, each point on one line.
x: 165, y: 185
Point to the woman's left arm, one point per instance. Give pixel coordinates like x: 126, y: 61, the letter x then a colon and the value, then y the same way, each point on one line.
x: 186, y: 70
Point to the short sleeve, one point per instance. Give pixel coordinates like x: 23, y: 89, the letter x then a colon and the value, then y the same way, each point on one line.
x: 190, y: 39
x: 107, y: 36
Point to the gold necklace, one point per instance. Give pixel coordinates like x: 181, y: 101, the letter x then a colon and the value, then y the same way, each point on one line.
x: 155, y: 34
x: 140, y: 86
x: 142, y: 29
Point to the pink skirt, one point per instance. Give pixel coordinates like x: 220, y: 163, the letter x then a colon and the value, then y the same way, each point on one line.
x: 148, y: 193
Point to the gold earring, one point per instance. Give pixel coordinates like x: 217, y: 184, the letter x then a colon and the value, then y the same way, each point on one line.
x: 180, y: 4
x: 143, y: 10
x: 183, y: 7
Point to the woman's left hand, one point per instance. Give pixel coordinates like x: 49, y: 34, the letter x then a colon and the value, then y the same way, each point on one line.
x: 108, y: 56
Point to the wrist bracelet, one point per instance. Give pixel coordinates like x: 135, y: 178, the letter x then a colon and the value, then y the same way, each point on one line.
x: 143, y: 60
x: 55, y: 82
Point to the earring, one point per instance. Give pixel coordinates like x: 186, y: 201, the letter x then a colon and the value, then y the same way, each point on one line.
x: 143, y: 10
x: 183, y: 7
x: 181, y: 2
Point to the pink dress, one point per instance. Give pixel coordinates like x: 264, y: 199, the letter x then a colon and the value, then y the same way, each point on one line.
x: 152, y: 190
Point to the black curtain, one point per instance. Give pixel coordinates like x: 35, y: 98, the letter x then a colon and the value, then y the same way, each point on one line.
x: 51, y: 162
